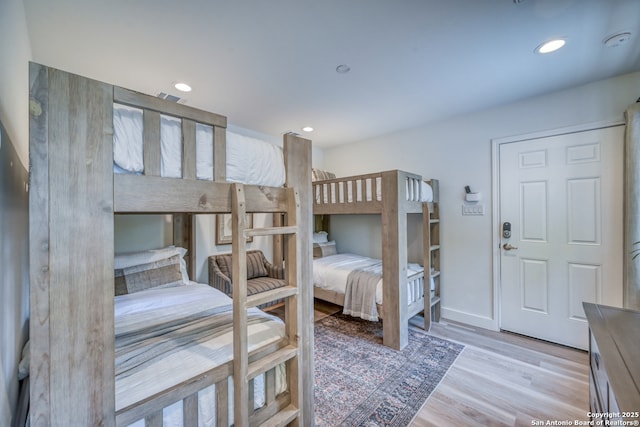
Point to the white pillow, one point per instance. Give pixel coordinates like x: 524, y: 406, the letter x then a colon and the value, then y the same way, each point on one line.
x: 427, y: 192
x: 145, y: 257
x: 320, y: 237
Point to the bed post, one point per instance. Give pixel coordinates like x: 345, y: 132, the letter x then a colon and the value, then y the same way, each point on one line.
x: 71, y: 249
x: 394, y: 262
x: 299, y: 176
x: 183, y: 236
x: 278, y: 242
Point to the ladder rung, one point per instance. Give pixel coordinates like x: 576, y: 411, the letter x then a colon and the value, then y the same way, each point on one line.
x: 283, y: 417
x: 263, y: 364
x: 270, y: 231
x: 271, y: 295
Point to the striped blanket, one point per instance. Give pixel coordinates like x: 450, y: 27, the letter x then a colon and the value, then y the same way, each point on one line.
x: 136, y: 349
x: 167, y: 336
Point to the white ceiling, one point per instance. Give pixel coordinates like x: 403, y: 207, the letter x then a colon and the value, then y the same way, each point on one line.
x: 270, y: 66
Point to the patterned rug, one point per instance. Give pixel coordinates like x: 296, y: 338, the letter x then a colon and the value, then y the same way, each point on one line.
x: 360, y: 382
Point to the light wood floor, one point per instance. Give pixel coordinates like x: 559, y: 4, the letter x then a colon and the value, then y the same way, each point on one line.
x: 503, y: 379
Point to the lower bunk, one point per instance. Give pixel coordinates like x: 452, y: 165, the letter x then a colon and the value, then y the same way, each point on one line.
x: 174, y: 350
x: 355, y: 283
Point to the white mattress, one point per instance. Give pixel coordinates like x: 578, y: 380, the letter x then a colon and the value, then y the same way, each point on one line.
x: 252, y: 161
x: 342, y: 192
x: 133, y: 310
x: 331, y: 273
x: 249, y: 160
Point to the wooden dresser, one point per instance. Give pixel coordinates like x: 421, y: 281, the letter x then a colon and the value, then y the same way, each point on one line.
x: 614, y: 358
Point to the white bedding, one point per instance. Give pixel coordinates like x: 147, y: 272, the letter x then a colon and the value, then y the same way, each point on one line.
x: 133, y: 311
x: 342, y: 192
x: 249, y: 160
x: 331, y: 273
x: 127, y: 139
x: 252, y: 161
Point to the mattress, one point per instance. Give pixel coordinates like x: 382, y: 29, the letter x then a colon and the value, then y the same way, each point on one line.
x: 331, y: 273
x: 249, y: 160
x: 136, y: 312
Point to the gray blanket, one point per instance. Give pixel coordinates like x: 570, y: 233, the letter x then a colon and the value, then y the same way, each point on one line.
x: 360, y: 292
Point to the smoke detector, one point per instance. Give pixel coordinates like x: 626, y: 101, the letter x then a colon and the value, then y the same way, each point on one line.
x: 617, y: 39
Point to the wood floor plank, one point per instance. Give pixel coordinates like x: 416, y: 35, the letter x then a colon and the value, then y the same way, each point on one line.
x: 504, y: 379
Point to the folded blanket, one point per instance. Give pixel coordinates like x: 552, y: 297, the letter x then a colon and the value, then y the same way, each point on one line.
x: 360, y: 292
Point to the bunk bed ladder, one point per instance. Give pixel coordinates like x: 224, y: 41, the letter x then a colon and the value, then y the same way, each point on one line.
x: 431, y: 245
x: 245, y: 370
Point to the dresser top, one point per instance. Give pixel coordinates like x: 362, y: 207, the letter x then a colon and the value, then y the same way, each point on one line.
x: 617, y: 333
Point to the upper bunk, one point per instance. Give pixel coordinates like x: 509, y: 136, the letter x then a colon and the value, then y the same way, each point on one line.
x: 372, y: 193
x: 170, y: 158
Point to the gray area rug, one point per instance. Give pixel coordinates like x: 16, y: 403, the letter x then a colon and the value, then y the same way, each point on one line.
x: 360, y: 382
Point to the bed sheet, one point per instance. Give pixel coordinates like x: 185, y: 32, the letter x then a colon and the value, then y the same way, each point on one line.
x: 331, y: 272
x: 132, y: 313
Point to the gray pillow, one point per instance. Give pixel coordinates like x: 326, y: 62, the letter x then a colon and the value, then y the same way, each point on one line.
x: 158, y: 274
x: 324, y: 249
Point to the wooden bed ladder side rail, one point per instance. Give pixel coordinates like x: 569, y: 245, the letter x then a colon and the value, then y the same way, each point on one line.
x: 426, y: 253
x: 431, y: 249
x: 243, y: 371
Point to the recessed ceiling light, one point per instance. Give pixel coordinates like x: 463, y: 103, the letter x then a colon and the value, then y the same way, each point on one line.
x: 343, y: 69
x: 307, y: 129
x: 182, y: 87
x: 550, y: 46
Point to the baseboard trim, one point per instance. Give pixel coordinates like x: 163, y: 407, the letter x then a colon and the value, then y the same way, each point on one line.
x: 470, y: 319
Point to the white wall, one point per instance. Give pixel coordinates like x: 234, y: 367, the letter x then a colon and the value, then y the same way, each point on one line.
x: 15, y: 53
x: 458, y: 153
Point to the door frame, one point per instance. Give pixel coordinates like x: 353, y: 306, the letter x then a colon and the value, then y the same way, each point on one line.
x: 495, y: 194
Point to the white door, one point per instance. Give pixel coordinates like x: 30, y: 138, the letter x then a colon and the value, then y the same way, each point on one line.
x: 562, y: 196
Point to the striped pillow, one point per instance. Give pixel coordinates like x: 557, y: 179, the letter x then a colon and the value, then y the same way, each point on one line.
x: 320, y: 175
x: 255, y: 265
x: 324, y: 249
x: 164, y: 273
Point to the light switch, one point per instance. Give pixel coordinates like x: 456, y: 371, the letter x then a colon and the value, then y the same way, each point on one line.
x: 475, y: 209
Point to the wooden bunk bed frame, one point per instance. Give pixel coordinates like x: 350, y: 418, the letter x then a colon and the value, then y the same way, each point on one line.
x: 393, y: 195
x: 74, y: 195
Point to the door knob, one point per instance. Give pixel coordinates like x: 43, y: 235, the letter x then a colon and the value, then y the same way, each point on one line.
x: 508, y: 247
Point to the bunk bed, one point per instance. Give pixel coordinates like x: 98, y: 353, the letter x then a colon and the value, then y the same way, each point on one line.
x: 393, y: 195
x: 76, y: 188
